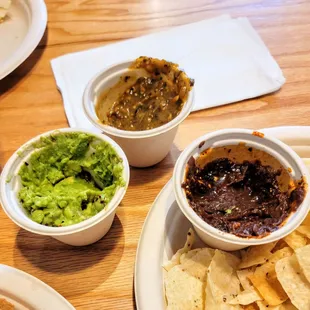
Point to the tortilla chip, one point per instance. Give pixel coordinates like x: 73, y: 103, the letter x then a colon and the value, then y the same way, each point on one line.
x: 175, y: 260
x: 303, y: 257
x: 263, y: 305
x: 212, y: 304
x: 271, y: 291
x: 243, y: 276
x: 222, y: 279
x: 288, y: 306
x: 189, y: 255
x: 5, y: 305
x: 232, y: 260
x: 306, y: 221
x: 249, y: 295
x: 266, y: 282
x: 285, y: 306
x: 279, y: 246
x: 294, y: 282
x: 192, y: 253
x: 196, y: 262
x: 245, y: 298
x: 251, y: 307
x: 183, y: 291
x: 256, y: 255
x: 304, y: 230
x: 285, y: 252
x: 295, y: 240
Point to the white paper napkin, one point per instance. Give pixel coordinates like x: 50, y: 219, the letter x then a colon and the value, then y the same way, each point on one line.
x: 225, y: 56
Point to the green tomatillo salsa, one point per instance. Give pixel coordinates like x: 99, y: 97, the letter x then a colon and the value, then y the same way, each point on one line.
x: 69, y: 178
x: 150, y: 94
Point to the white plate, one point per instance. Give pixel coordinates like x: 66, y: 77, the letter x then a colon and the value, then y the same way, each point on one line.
x: 20, y: 33
x: 165, y: 229
x: 26, y: 292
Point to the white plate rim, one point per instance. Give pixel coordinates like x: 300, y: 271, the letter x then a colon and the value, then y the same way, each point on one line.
x: 159, y: 246
x: 142, y: 290
x: 34, y: 292
x: 31, y: 40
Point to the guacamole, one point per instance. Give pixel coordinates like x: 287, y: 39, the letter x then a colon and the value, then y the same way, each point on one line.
x: 69, y: 178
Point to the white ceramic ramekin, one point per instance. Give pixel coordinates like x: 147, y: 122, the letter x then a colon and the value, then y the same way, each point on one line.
x: 143, y: 148
x: 84, y: 233
x: 283, y: 153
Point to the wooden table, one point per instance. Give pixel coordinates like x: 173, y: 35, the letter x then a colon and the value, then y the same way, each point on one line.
x: 101, y: 276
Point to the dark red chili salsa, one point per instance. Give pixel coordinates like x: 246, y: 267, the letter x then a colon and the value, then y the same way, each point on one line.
x: 240, y: 198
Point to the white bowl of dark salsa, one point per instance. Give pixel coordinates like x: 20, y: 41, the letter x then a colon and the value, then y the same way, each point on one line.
x: 239, y: 187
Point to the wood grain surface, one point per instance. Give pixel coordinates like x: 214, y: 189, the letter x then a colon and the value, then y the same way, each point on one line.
x: 100, y: 276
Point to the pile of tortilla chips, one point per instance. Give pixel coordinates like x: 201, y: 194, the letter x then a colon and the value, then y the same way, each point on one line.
x: 274, y: 276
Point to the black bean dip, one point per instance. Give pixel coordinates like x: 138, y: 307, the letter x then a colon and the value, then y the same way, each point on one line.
x: 240, y: 198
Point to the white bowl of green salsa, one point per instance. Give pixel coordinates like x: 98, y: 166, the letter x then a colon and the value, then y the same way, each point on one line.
x: 66, y: 184
x: 140, y: 109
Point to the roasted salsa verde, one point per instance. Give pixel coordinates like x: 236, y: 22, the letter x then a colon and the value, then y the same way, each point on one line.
x: 69, y: 178
x: 149, y: 95
x: 244, y: 197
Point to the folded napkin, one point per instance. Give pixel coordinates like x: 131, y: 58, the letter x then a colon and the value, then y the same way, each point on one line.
x: 225, y: 56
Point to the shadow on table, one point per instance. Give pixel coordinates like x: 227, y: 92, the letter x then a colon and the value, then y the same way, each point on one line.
x: 134, y: 295
x: 10, y: 81
x: 70, y: 270
x: 140, y: 176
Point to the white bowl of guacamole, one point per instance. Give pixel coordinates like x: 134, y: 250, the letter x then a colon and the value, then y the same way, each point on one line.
x: 65, y: 183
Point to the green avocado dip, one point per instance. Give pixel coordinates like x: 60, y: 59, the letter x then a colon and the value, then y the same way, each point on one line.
x: 69, y: 178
